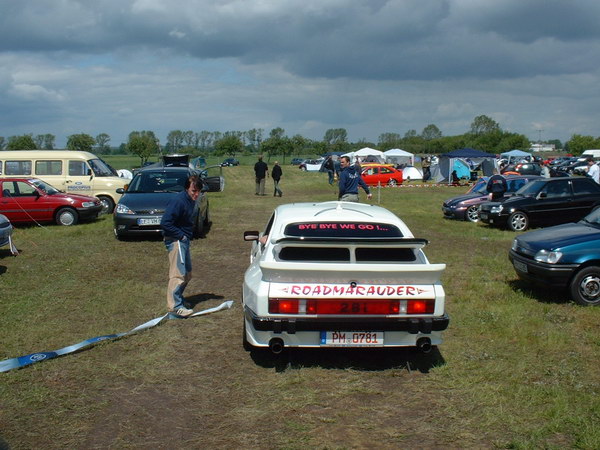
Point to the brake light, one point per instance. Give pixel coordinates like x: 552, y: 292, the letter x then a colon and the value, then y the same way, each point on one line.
x: 350, y: 306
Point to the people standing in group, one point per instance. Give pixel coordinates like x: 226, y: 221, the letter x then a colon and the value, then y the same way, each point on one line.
x: 497, y: 186
x: 260, y: 171
x: 349, y: 182
x: 329, y: 167
x: 593, y: 170
x: 177, y: 226
x: 276, y: 173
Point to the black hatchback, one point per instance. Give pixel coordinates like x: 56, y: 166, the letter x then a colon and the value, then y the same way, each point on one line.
x: 547, y: 201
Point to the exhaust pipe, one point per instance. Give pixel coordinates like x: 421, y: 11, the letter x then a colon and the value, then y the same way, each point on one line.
x: 424, y: 344
x: 276, y: 346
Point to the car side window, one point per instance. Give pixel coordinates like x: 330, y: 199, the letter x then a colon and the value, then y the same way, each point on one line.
x: 557, y: 189
x: 78, y: 168
x: 583, y: 186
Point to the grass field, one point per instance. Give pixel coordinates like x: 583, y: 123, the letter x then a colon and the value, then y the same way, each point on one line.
x: 518, y: 368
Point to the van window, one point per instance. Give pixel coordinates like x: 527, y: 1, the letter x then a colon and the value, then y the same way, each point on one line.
x: 48, y: 167
x: 17, y: 167
x: 0, y: 167
x: 78, y: 168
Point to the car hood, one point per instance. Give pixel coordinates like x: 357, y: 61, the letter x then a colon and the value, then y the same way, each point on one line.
x: 559, y: 236
x: 463, y: 198
x: 155, y: 200
x: 76, y: 197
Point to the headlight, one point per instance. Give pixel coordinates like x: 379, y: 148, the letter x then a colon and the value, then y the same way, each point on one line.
x: 514, y: 245
x: 548, y: 257
x: 122, y: 209
x: 496, y: 209
x: 88, y: 204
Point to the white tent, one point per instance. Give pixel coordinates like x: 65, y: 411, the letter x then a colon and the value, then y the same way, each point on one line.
x: 398, y: 156
x: 369, y: 154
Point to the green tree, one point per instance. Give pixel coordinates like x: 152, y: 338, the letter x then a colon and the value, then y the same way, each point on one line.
x: 388, y: 141
x: 143, y: 144
x: 44, y: 141
x: 484, y: 124
x: 24, y: 142
x: 174, y: 141
x: 229, y: 144
x: 578, y: 143
x: 102, y: 141
x: 82, y: 142
x: 431, y: 132
x: 2, y: 143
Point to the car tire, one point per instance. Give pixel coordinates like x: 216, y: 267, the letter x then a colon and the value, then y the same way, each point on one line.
x: 303, y: 168
x: 472, y: 213
x: 66, y: 217
x: 108, y: 205
x: 199, y: 226
x: 207, y: 217
x: 585, y: 286
x: 392, y: 182
x: 518, y: 221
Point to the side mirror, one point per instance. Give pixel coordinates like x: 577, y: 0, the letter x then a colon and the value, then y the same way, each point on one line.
x: 251, y: 235
x: 542, y: 195
x: 121, y: 190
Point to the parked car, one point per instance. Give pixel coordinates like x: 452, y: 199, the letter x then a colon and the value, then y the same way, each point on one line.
x: 563, y: 256
x: 31, y: 200
x: 523, y: 168
x: 338, y: 274
x: 466, y: 206
x: 383, y: 174
x: 6, y: 230
x: 296, y: 161
x: 228, y: 162
x: 143, y: 203
x: 547, y: 201
x: 311, y: 165
x: 574, y: 167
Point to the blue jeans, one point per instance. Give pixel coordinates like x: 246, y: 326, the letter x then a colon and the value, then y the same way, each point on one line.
x: 330, y: 175
x: 180, y: 271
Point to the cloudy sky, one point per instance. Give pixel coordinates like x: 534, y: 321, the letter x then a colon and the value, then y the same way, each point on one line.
x: 369, y: 66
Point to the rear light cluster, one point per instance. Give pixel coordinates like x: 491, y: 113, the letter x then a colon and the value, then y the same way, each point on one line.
x: 349, y: 307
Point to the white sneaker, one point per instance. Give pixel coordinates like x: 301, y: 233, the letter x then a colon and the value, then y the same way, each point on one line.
x: 183, y: 312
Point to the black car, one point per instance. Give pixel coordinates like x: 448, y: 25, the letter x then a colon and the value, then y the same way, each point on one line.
x: 524, y: 168
x: 143, y: 203
x: 228, y: 162
x: 466, y: 206
x: 548, y: 201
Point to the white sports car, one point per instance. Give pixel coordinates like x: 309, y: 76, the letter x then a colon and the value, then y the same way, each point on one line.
x: 340, y: 274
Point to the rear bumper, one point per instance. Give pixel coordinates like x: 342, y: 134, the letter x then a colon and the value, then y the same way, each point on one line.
x: 411, y: 325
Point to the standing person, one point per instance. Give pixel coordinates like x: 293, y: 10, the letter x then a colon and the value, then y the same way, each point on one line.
x: 177, y: 225
x: 593, y: 170
x: 349, y: 182
x: 426, y: 166
x: 276, y: 174
x: 260, y: 170
x: 329, y: 168
x: 496, y: 186
x: 545, y: 170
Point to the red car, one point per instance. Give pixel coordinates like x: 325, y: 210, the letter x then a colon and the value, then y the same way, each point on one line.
x: 27, y: 200
x: 384, y: 174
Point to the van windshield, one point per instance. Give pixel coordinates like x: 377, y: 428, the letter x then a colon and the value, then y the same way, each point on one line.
x: 100, y: 168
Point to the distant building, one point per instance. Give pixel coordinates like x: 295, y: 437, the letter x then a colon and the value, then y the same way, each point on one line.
x: 542, y: 148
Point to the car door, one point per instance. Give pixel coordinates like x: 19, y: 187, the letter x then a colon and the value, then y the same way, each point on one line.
x: 553, y: 204
x: 586, y: 195
x: 22, y: 202
x: 79, y: 178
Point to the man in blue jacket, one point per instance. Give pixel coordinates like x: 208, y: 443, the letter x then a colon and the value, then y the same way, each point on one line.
x: 349, y: 182
x: 177, y: 225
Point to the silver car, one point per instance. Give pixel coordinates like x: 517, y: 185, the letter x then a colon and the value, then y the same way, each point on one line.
x: 6, y: 230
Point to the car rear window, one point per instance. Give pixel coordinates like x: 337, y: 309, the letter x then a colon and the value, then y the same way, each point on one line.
x: 342, y: 230
x: 314, y: 254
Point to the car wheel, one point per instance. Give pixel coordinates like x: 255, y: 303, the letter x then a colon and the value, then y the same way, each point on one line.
x: 66, y: 217
x: 245, y: 343
x: 392, y: 182
x: 585, y: 287
x: 107, y: 205
x: 518, y: 221
x: 472, y: 213
x: 207, y: 217
x: 303, y: 168
x: 199, y: 227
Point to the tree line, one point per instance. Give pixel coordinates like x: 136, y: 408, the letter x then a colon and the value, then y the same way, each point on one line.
x: 484, y: 134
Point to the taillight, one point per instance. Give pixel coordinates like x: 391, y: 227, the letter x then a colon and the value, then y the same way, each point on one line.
x: 350, y: 306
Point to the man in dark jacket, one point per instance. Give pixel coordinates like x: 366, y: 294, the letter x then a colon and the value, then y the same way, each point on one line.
x: 349, y: 182
x: 497, y: 186
x: 177, y: 225
x: 329, y: 168
x: 260, y: 171
x: 276, y: 174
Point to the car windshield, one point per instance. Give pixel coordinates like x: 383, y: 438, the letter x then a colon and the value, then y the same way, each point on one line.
x: 100, y: 168
x: 50, y: 190
x: 532, y: 188
x: 147, y: 182
x: 479, y: 188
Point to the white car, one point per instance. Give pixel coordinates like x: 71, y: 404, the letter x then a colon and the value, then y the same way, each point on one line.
x: 311, y: 165
x: 340, y: 274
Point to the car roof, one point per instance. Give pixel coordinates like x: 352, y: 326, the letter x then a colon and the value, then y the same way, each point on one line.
x: 334, y: 211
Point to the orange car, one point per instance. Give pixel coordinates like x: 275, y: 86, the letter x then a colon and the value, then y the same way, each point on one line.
x: 381, y: 173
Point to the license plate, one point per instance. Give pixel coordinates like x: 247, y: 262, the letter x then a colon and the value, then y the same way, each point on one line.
x: 151, y: 221
x: 352, y: 338
x: 521, y: 267
x: 483, y: 215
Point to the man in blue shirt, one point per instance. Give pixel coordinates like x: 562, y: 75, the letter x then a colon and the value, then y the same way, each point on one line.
x: 349, y: 182
x: 177, y: 225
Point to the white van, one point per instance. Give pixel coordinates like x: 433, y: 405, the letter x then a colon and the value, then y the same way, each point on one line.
x: 71, y: 171
x: 594, y: 153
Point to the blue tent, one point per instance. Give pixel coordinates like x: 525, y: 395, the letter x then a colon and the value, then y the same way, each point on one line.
x: 467, y: 156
